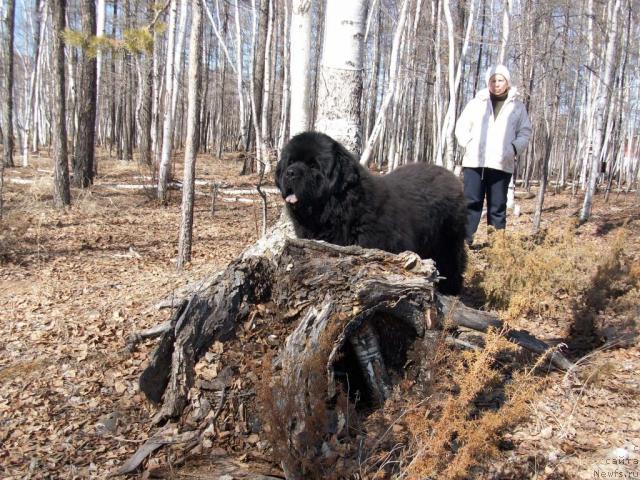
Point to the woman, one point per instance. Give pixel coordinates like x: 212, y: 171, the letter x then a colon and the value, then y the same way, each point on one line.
x: 493, y: 129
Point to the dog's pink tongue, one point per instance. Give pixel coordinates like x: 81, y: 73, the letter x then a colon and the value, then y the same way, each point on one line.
x: 291, y: 198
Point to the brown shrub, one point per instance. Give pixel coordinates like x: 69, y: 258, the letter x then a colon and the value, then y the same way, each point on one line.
x: 453, y: 438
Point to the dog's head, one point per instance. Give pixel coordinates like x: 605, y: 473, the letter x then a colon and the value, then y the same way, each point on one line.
x: 313, y: 167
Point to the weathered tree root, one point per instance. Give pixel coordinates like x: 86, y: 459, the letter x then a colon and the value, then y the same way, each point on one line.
x: 349, y: 283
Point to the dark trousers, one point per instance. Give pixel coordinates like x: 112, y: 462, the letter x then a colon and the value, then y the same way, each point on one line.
x: 481, y: 182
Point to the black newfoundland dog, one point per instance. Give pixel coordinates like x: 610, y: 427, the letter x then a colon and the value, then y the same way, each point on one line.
x: 418, y: 207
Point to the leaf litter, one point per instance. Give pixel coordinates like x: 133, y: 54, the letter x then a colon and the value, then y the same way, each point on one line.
x: 75, y: 284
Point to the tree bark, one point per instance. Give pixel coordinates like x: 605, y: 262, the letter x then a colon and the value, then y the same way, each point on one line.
x: 239, y: 82
x: 391, y: 88
x: 268, y: 73
x: 146, y: 100
x: 62, y: 193
x: 85, y: 142
x: 7, y: 101
x: 299, y: 66
x: 337, y: 300
x: 601, y: 113
x: 31, y: 113
x: 340, y: 85
x: 167, y: 128
x: 193, y: 129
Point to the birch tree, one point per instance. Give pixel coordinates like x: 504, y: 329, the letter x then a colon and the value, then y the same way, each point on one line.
x: 7, y: 101
x: 391, y: 88
x: 285, y: 108
x: 62, y: 193
x: 39, y: 25
x: 266, y: 95
x: 101, y: 18
x: 170, y: 85
x: 259, y: 41
x: 340, y: 85
x: 447, y: 137
x: 506, y: 30
x: 193, y: 129
x: 603, y: 99
x: 300, y: 58
x: 239, y: 82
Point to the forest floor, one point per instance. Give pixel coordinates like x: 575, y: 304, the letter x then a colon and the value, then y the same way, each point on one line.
x: 75, y: 283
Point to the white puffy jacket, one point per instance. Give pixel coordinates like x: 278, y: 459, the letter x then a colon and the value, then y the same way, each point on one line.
x: 489, y: 142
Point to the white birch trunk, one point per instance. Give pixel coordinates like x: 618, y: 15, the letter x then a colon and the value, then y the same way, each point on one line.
x: 216, y: 31
x: 192, y: 141
x: 242, y: 113
x: 101, y: 15
x: 300, y: 58
x: 252, y: 96
x: 391, y: 88
x: 504, y: 42
x: 266, y: 93
x: 437, y: 89
x: 601, y: 106
x: 33, y: 83
x: 340, y: 85
x: 454, y: 80
x: 155, y: 97
x: 177, y: 61
x: 167, y: 130
x: 286, y: 90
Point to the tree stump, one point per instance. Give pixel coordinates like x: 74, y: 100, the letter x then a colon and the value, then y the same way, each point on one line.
x: 355, y: 314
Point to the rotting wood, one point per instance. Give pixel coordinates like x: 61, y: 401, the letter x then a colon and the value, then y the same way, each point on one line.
x: 339, y: 298
x: 213, y: 312
x: 461, y: 315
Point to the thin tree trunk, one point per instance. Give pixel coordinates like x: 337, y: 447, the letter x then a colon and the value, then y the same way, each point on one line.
x: 257, y: 72
x: 29, y: 122
x: 266, y: 95
x: 601, y: 113
x: 170, y: 85
x: 36, y: 118
x: 101, y: 16
x: 188, y: 181
x: 72, y: 95
x: 447, y: 135
x: 221, y: 107
x: 62, y: 194
x: 85, y: 142
x: 7, y: 102
x: 113, y: 100
x: 375, y: 73
x: 146, y: 101
x: 285, y: 110
x: 504, y: 41
x: 239, y: 82
x: 391, y: 88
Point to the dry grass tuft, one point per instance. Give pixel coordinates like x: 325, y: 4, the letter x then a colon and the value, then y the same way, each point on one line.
x: 534, y: 274
x: 40, y: 190
x: 459, y: 438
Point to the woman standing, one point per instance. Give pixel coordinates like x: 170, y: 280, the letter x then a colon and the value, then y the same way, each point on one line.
x: 493, y: 129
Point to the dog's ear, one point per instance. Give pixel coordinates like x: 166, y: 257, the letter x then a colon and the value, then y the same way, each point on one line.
x: 345, y: 172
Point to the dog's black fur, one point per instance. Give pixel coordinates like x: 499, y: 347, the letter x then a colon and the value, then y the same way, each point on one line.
x: 418, y: 207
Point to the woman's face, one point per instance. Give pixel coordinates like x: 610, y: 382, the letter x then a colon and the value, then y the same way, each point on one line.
x: 498, y: 84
